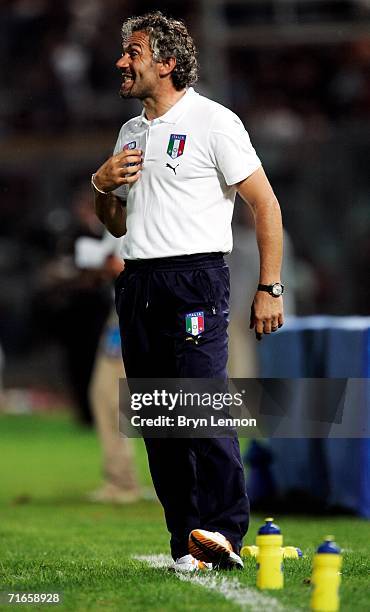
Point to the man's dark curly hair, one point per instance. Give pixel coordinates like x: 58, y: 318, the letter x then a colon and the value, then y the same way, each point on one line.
x: 167, y: 38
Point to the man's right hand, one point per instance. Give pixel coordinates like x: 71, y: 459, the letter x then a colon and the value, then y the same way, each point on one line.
x: 116, y: 171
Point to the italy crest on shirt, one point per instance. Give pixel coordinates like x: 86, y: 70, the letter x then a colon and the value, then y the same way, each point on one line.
x: 194, y: 323
x: 176, y: 145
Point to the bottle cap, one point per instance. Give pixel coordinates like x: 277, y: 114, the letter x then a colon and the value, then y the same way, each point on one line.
x: 329, y: 546
x: 269, y: 528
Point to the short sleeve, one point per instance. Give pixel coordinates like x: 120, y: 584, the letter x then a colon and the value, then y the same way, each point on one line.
x: 122, y: 191
x: 231, y: 148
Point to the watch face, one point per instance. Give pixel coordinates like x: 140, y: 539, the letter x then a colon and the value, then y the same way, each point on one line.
x: 277, y: 289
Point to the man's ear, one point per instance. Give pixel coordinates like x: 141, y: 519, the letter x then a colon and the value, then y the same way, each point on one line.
x: 167, y: 66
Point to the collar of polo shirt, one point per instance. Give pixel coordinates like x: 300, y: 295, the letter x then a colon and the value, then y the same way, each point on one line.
x: 172, y: 115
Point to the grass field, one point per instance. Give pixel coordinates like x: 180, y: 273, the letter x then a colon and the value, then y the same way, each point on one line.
x: 51, y: 539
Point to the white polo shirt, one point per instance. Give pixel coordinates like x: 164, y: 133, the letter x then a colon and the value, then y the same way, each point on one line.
x: 183, y: 201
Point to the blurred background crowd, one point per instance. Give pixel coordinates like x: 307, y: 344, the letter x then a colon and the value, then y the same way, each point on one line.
x: 298, y: 74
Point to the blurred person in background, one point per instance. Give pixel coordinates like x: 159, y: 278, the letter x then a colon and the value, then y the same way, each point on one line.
x: 120, y: 483
x: 72, y: 304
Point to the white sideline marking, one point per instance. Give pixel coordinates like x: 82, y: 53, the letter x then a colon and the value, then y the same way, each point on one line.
x: 230, y: 588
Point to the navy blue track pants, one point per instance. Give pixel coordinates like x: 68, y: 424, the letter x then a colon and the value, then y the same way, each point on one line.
x: 200, y: 482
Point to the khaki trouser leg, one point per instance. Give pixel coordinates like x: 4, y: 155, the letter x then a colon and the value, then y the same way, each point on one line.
x: 118, y: 460
x: 242, y: 349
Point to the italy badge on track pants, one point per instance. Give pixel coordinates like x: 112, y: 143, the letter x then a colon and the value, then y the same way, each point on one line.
x: 162, y: 303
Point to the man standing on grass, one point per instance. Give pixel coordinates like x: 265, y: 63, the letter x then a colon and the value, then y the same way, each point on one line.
x: 169, y: 190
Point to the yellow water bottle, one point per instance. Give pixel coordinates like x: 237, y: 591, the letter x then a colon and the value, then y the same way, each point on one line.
x: 292, y: 552
x: 270, y: 556
x: 325, y: 578
x: 249, y: 551
x: 289, y: 552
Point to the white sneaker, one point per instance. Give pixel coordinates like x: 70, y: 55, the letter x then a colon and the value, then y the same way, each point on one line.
x: 189, y: 564
x: 213, y: 547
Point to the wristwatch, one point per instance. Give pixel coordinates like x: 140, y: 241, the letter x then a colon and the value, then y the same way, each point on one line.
x: 276, y: 289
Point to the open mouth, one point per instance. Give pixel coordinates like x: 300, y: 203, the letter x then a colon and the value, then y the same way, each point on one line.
x: 127, y: 78
x: 128, y: 81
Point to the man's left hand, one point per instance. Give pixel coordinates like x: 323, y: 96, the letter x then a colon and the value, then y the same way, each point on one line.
x: 266, y: 314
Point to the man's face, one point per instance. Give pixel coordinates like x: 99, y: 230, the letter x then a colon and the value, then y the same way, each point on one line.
x: 139, y: 71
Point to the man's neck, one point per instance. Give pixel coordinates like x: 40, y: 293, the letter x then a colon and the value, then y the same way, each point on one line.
x: 156, y: 106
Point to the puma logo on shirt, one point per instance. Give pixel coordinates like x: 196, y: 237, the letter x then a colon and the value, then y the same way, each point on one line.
x: 172, y: 168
